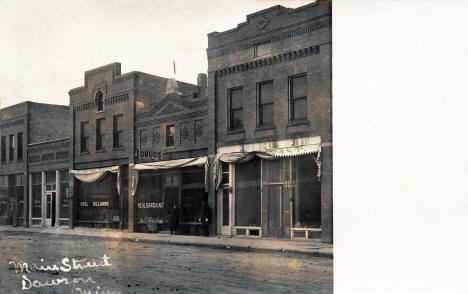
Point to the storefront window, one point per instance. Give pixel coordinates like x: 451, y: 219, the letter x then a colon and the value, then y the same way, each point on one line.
x: 150, y: 197
x: 248, y: 201
x: 192, y: 204
x: 64, y: 184
x: 36, y: 195
x: 306, y: 192
x: 225, y: 207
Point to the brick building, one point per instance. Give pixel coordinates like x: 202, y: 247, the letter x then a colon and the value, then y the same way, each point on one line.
x: 171, y: 169
x: 119, y: 122
x: 21, y: 125
x: 270, y: 83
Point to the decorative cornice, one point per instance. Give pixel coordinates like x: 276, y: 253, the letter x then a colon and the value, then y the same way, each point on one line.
x: 172, y: 118
x: 56, y: 144
x: 213, y: 53
x: 288, y: 56
x: 12, y: 123
x: 107, y: 101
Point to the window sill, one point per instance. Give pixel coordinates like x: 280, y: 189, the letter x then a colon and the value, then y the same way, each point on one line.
x: 234, y: 132
x: 101, y: 151
x: 265, y: 128
x: 118, y: 148
x: 298, y: 123
x: 84, y: 153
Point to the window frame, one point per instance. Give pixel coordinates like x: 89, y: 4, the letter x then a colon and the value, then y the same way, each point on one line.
x: 116, y: 131
x: 19, y: 147
x: 231, y: 110
x: 96, y: 100
x: 99, y: 134
x: 3, y: 149
x: 11, y: 147
x: 83, y: 138
x: 170, y: 136
x: 260, y: 105
x: 292, y: 100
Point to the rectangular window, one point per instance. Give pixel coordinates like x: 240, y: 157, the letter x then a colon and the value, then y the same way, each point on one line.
x: 262, y: 50
x: 36, y: 195
x: 235, y: 105
x: 248, y: 199
x: 117, y: 131
x: 265, y: 103
x: 84, y: 137
x: 170, y: 134
x: 12, y: 147
x: 19, y: 156
x: 298, y: 97
x: 99, y: 134
x: 3, y: 147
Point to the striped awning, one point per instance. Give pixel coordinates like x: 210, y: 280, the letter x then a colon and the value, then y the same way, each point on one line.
x: 294, y: 151
x: 176, y: 163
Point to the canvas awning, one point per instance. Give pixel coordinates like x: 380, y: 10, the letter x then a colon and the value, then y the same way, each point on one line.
x: 96, y: 174
x: 167, y: 164
x: 269, y: 154
x: 176, y: 163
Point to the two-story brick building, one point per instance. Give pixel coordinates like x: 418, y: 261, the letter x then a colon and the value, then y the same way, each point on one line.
x: 270, y: 83
x: 20, y: 125
x: 172, y: 160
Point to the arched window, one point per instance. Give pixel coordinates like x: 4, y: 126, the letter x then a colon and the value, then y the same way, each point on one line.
x: 99, y: 101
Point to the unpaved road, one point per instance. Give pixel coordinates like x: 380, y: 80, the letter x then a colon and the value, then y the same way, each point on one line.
x: 135, y: 267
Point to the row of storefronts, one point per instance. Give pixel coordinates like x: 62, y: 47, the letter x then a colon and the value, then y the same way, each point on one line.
x: 245, y: 152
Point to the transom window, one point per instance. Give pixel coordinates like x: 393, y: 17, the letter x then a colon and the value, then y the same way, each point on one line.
x: 298, y: 97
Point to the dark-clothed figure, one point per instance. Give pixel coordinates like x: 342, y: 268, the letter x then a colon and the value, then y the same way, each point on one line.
x: 174, y: 219
x: 205, y: 218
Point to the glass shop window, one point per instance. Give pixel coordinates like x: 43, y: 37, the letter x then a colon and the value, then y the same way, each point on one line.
x: 225, y: 207
x: 247, y: 189
x: 306, y: 193
x: 64, y: 202
x: 192, y: 204
x: 36, y: 195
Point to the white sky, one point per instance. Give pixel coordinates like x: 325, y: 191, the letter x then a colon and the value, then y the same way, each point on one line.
x: 46, y: 46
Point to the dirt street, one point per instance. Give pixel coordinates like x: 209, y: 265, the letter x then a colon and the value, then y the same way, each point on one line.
x: 73, y: 264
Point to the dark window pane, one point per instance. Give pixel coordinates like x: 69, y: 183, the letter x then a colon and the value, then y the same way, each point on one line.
x: 236, y: 98
x: 20, y: 146
x: 266, y: 93
x: 299, y: 86
x: 266, y: 114
x: 193, y: 178
x: 225, y: 207
x: 3, y: 147
x: 99, y: 101
x: 300, y: 108
x: 225, y: 167
x: 191, y: 204
x: 236, y: 119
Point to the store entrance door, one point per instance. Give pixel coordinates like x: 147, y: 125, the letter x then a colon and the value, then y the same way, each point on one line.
x: 276, y: 200
x: 50, y: 214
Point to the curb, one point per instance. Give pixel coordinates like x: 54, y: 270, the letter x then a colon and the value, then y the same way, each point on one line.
x: 195, y: 244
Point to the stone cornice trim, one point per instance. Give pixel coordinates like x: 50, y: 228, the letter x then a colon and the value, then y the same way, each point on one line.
x: 120, y: 98
x: 178, y: 117
x: 288, y: 56
x: 213, y: 53
x: 12, y: 123
x: 57, y: 144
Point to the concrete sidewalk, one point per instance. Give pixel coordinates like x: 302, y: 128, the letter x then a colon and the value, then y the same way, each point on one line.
x: 312, y: 246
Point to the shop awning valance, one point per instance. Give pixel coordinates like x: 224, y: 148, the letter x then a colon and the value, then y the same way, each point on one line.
x: 271, y: 154
x: 176, y: 163
x: 96, y: 174
x: 167, y: 164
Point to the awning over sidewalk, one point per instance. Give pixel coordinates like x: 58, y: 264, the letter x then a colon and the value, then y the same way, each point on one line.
x: 168, y: 164
x: 271, y: 154
x: 96, y: 174
x: 176, y: 163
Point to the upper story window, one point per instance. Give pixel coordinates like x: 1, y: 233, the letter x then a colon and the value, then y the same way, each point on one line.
x: 99, y: 101
x: 12, y: 147
x: 265, y: 103
x: 235, y: 106
x: 298, y: 97
x: 170, y: 135
x: 19, y: 155
x: 117, y: 131
x: 84, y: 137
x: 262, y: 50
x: 99, y: 134
x: 3, y: 149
